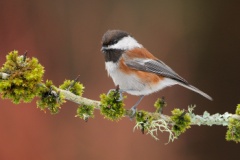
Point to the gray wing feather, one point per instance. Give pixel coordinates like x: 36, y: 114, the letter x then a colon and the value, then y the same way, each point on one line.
x: 158, y: 67
x: 154, y: 66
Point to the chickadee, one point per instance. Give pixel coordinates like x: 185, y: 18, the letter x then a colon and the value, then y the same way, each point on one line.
x: 135, y: 69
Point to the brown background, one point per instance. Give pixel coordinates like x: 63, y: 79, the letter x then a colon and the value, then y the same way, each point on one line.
x: 199, y: 39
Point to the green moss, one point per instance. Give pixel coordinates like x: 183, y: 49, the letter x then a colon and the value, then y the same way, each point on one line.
x: 73, y: 86
x: 84, y: 112
x: 111, y: 108
x: 143, y: 118
x: 181, y: 121
x: 25, y: 75
x: 238, y: 109
x: 160, y: 104
x: 233, y: 132
x: 50, y: 98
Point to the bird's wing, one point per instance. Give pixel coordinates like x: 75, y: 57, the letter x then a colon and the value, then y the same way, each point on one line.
x: 154, y: 66
x: 148, y: 63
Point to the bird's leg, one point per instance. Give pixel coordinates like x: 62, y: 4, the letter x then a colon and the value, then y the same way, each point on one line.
x: 134, y: 107
x: 120, y: 95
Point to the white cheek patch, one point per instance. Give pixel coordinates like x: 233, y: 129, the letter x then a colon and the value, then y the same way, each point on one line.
x: 127, y: 43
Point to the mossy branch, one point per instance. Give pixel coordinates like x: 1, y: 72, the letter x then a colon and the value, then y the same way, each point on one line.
x: 205, y: 119
x: 79, y: 100
x: 21, y: 80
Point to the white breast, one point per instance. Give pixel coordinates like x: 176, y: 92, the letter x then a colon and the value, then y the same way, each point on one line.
x: 125, y: 81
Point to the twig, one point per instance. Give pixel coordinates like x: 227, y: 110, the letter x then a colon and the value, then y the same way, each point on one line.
x: 205, y: 119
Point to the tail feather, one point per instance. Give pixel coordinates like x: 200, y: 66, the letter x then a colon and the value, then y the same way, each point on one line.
x: 188, y: 86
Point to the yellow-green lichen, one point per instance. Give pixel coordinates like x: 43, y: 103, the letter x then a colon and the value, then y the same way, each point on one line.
x: 111, y: 108
x: 144, y: 120
x: 84, y: 112
x: 233, y: 132
x: 160, y: 104
x: 50, y: 98
x: 181, y: 121
x: 24, y: 75
x: 73, y: 86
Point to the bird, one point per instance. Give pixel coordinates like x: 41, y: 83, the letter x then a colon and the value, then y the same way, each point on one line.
x: 135, y: 70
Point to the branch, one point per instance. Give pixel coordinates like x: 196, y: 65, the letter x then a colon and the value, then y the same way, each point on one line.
x: 97, y: 104
x: 205, y: 119
x: 79, y: 100
x: 21, y: 80
x: 153, y: 122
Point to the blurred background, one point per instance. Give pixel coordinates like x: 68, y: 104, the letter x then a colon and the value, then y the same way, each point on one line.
x: 200, y: 40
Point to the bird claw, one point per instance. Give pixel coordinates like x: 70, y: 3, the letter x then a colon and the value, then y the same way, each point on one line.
x: 120, y: 96
x: 110, y: 91
x: 133, y: 112
x: 116, y: 91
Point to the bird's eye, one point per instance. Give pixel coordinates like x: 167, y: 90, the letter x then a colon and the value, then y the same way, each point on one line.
x: 113, y: 42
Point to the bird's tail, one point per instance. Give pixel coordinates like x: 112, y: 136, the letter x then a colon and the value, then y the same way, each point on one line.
x: 188, y: 86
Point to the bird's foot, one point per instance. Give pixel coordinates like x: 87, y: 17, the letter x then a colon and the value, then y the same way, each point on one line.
x: 134, y: 108
x: 133, y: 112
x: 111, y: 90
x: 116, y: 91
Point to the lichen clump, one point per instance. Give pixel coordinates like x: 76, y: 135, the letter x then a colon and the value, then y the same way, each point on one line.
x: 84, y: 112
x: 73, y: 86
x: 160, y: 104
x: 144, y: 120
x: 111, y: 107
x: 181, y: 121
x: 24, y: 76
x: 50, y: 98
x: 233, y: 133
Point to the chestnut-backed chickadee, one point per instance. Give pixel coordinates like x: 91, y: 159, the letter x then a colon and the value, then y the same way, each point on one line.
x: 135, y: 69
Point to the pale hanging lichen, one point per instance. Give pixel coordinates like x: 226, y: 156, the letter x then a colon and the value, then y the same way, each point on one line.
x: 152, y: 128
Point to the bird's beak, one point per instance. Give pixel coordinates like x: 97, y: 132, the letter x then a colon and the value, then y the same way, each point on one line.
x: 103, y: 49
